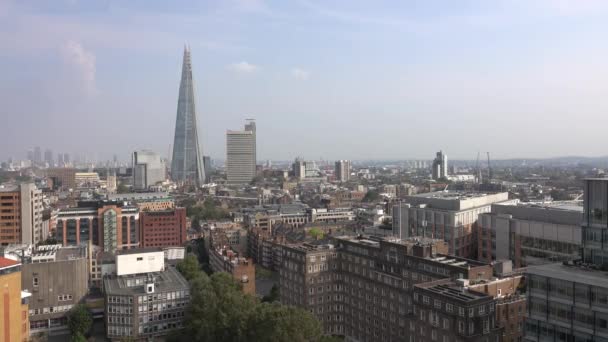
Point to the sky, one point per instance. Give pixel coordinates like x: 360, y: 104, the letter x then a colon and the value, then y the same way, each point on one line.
x: 324, y: 79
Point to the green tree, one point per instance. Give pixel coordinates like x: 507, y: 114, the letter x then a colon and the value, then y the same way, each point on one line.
x: 276, y: 322
x: 189, y: 267
x: 371, y: 196
x: 78, y: 338
x: 121, y: 189
x: 79, y: 320
x: 316, y: 233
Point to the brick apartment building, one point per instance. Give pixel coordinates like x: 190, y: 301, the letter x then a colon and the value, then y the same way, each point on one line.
x: 361, y: 287
x: 162, y: 228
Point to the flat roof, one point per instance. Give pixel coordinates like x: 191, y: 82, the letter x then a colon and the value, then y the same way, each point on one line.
x: 454, y: 291
x: 573, y: 273
x: 453, y: 194
x: 138, y: 250
x: 168, y: 280
x: 9, y: 187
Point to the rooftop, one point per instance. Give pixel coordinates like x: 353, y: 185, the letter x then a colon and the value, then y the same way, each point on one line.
x: 167, y: 280
x: 138, y: 250
x: 453, y: 195
x: 453, y: 290
x: 10, y: 187
x: 4, y: 263
x: 573, y: 273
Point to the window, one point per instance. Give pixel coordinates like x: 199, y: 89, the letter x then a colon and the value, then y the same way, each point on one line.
x: 482, y: 309
x: 35, y: 281
x: 437, y: 304
x: 140, y: 259
x: 471, y: 312
x: 425, y: 299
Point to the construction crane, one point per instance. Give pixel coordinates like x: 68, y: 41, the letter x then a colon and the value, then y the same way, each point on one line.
x: 489, y: 169
x: 478, y: 169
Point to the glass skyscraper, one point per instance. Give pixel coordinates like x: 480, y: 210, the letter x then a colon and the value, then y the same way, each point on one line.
x: 187, y: 163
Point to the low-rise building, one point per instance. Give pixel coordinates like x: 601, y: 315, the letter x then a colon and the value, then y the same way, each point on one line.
x: 144, y: 299
x: 58, y: 278
x: 222, y: 259
x: 146, y: 201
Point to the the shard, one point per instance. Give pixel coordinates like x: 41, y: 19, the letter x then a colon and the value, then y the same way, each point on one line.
x: 187, y: 163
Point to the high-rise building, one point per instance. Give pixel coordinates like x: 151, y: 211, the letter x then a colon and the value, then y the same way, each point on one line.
x: 595, y: 222
x: 299, y: 168
x: 30, y: 155
x: 342, y: 171
x: 14, y: 323
x: 207, y: 167
x: 48, y: 157
x: 59, y: 159
x: 440, y: 166
x: 240, y: 155
x: 148, y: 169
x: 66, y: 158
x: 37, y: 155
x: 187, y: 163
x: 63, y: 177
x: 21, y: 219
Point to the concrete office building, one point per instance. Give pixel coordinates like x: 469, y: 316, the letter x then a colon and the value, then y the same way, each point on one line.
x: 14, y: 321
x: 299, y: 168
x: 20, y: 214
x: 241, y: 155
x: 440, y: 166
x: 569, y: 301
x: 342, y: 170
x: 57, y: 278
x: 187, y: 163
x: 595, y: 222
x: 48, y: 157
x: 145, y: 299
x: 148, y: 169
x: 530, y: 234
x: 162, y: 228
x: 448, y: 215
x: 110, y: 225
x: 361, y: 287
x: 207, y: 166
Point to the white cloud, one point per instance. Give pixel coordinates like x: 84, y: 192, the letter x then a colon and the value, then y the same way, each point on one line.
x: 243, y: 67
x: 300, y: 74
x: 83, y: 62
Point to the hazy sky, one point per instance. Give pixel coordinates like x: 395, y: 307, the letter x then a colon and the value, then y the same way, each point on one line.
x: 332, y: 79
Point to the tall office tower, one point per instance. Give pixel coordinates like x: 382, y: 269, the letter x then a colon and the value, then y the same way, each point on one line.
x: 440, y: 166
x: 250, y: 126
x: 299, y: 168
x: 48, y: 157
x: 148, y: 169
x: 30, y: 155
x: 342, y: 170
x: 59, y: 159
x: 240, y: 155
x: 207, y: 168
x: 187, y: 163
x: 37, y: 155
x: 21, y: 219
x: 66, y: 158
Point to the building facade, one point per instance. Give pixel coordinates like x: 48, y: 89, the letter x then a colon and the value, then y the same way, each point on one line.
x: 530, y: 234
x: 146, y: 300
x: 14, y: 321
x: 361, y: 287
x: 63, y: 177
x: 186, y: 162
x: 342, y: 170
x: 595, y: 222
x: 110, y: 225
x: 57, y: 277
x: 148, y: 169
x: 440, y: 166
x: 448, y: 215
x: 20, y: 214
x: 162, y: 228
x: 240, y: 155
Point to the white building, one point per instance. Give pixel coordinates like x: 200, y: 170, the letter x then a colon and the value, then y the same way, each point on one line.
x: 137, y: 261
x: 148, y: 169
x: 440, y: 166
x: 342, y: 171
x: 241, y: 155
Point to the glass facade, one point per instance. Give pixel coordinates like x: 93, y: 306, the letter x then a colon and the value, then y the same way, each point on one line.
x: 595, y: 222
x: 187, y: 156
x: 109, y: 231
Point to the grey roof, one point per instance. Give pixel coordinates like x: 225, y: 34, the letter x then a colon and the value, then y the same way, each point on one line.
x: 138, y: 250
x: 168, y: 280
x: 573, y: 273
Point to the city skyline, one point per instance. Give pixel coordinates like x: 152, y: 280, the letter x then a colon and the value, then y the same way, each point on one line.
x: 393, y: 73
